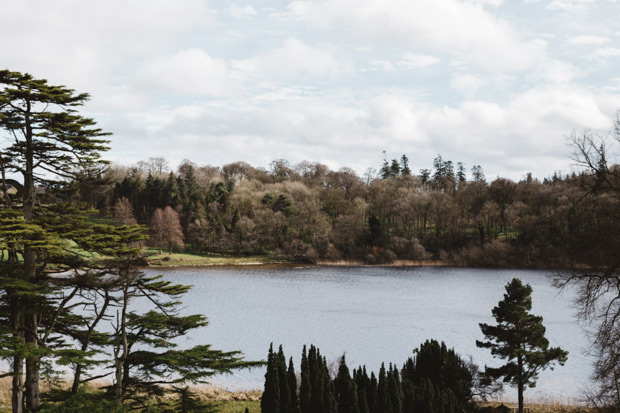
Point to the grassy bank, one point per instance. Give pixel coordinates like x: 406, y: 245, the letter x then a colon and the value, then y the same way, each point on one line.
x: 183, y: 259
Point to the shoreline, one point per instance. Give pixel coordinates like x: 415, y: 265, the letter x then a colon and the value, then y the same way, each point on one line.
x: 193, y: 260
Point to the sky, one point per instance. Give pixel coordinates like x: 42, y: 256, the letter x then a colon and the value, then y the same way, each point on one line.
x: 497, y: 83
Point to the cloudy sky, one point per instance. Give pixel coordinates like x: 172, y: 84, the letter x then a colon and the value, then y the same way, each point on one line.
x: 500, y: 83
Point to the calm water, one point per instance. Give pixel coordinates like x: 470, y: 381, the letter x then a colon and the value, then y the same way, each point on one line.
x: 372, y: 314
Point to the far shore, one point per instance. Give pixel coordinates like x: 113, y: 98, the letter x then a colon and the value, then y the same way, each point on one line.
x: 186, y: 260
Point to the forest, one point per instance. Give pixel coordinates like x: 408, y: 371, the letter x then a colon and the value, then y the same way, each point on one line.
x: 73, y: 229
x: 309, y: 213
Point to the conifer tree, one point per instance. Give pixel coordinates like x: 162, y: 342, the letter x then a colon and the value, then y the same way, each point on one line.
x: 284, y: 391
x: 305, y: 386
x: 360, y: 377
x: 270, y: 400
x: 346, y: 390
x: 383, y: 397
x: 46, y: 139
x: 292, y: 387
x: 395, y: 390
x: 373, y: 393
x: 519, y: 338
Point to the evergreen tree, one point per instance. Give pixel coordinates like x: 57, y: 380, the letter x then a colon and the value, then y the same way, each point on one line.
x: 284, y: 392
x: 385, y: 171
x: 461, y: 175
x: 305, y: 389
x: 292, y: 387
x: 394, y: 168
x: 373, y: 394
x: 519, y: 338
x: 404, y: 166
x: 270, y: 400
x: 383, y: 397
x: 346, y: 390
x: 362, y: 382
x: 46, y: 139
x: 395, y: 390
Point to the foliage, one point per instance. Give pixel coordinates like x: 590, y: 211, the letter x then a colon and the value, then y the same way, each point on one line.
x: 519, y: 338
x: 435, y: 380
x: 67, y: 284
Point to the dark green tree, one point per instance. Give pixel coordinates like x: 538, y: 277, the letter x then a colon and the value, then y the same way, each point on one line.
x: 292, y: 387
x: 305, y: 385
x: 284, y: 392
x: 270, y: 400
x: 46, y: 140
x: 519, y: 338
x: 404, y: 166
x: 346, y: 390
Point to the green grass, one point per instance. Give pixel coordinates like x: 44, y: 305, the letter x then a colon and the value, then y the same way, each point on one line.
x: 238, y: 406
x: 183, y: 259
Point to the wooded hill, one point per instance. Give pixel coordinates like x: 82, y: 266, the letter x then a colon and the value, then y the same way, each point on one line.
x: 310, y: 213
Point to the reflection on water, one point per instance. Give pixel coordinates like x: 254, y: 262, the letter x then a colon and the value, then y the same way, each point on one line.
x: 372, y: 314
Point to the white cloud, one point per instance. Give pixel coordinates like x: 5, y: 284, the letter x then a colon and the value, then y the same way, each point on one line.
x: 465, y: 30
x: 587, y: 39
x: 467, y: 84
x: 571, y: 6
x: 604, y: 53
x: 383, y: 65
x: 242, y: 12
x: 413, y: 60
x: 188, y: 72
x: 295, y: 59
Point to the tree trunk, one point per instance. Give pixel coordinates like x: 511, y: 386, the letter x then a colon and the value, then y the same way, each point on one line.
x: 520, y: 383
x: 30, y: 320
x: 17, y: 390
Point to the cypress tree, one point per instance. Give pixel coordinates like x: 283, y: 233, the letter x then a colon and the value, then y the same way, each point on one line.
x: 317, y: 382
x: 285, y: 398
x: 292, y: 387
x: 395, y: 391
x: 305, y: 388
x: 383, y: 398
x: 346, y: 390
x: 362, y: 382
x: 330, y: 405
x: 270, y: 401
x: 373, y: 393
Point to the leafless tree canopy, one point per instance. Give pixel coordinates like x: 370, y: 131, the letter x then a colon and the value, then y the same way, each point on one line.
x: 598, y: 275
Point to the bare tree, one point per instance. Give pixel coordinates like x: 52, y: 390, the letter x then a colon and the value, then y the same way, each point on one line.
x: 123, y: 211
x: 166, y: 229
x: 597, y: 273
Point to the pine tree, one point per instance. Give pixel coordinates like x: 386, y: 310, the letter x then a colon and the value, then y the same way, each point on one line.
x: 46, y: 139
x: 404, y: 166
x: 519, y: 338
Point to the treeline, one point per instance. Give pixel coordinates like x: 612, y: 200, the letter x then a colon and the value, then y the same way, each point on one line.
x: 435, y: 380
x: 311, y: 213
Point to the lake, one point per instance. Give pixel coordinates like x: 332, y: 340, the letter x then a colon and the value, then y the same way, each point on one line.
x: 373, y: 315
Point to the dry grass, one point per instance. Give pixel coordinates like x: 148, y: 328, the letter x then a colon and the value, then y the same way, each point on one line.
x: 227, y: 400
x: 547, y: 405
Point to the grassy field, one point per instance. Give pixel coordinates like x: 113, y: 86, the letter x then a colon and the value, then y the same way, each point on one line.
x: 181, y: 259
